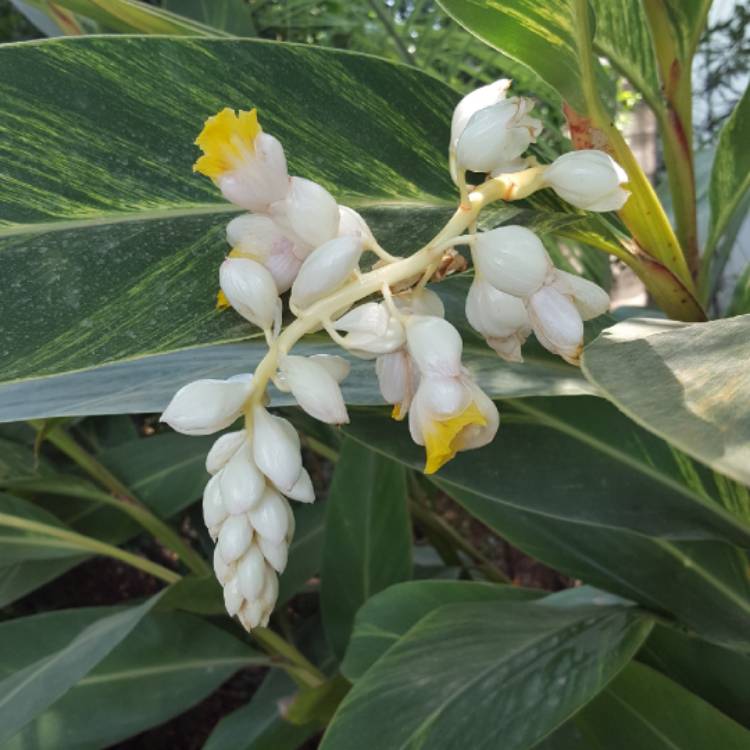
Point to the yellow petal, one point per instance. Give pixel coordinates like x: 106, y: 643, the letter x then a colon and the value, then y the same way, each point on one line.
x: 225, y: 138
x: 221, y: 301
x: 398, y: 412
x: 440, y: 436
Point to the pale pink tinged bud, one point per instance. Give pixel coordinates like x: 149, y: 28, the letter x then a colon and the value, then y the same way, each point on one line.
x: 512, y: 259
x: 214, y: 510
x: 309, y: 211
x: 435, y: 345
x: 588, y: 179
x: 242, y: 483
x: 276, y: 448
x: 251, y: 290
x: 315, y: 389
x: 251, y: 573
x: 269, y: 518
x: 557, y: 323
x: 493, y: 313
x: 325, y: 270
x: 233, y: 598
x: 589, y: 298
x: 302, y: 491
x: 351, y: 224
x: 234, y: 538
x: 207, y: 406
x: 480, y: 98
x: 276, y: 553
x: 372, y: 330
x: 259, y: 179
x: 223, y: 449
x: 497, y: 135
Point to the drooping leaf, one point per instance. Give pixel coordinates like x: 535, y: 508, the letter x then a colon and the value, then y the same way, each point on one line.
x: 21, y: 578
x: 485, y: 675
x: 44, y: 655
x: 686, y: 383
x: 388, y: 615
x: 367, y: 540
x: 716, y: 674
x: 168, y: 663
x: 644, y: 709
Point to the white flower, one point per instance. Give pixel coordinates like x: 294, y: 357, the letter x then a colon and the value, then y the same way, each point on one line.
x: 223, y: 449
x: 248, y: 165
x: 372, y: 330
x: 557, y: 323
x: 512, y: 259
x: 235, y: 536
x: 269, y: 517
x: 420, y: 302
x: 450, y: 414
x: 398, y: 378
x: 497, y: 135
x: 276, y: 448
x: 241, y: 482
x: 260, y: 238
x: 509, y: 347
x: 589, y: 298
x: 435, y: 345
x: 351, y: 224
x: 315, y: 389
x: 338, y: 367
x: 480, y: 98
x: 251, y: 571
x: 588, y: 179
x: 251, y: 290
x: 325, y: 270
x: 309, y: 212
x: 214, y: 510
x: 207, y: 406
x: 302, y: 490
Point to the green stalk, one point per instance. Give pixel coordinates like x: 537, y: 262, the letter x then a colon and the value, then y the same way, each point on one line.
x: 72, y: 540
x: 160, y: 530
x: 294, y: 662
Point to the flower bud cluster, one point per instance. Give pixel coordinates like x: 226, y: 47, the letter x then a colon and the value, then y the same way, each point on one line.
x: 298, y: 240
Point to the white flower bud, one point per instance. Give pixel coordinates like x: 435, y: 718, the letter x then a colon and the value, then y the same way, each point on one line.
x: 276, y: 448
x: 588, y: 179
x: 251, y: 573
x: 206, y: 406
x: 315, y: 389
x: 309, y: 211
x: 276, y: 553
x: 493, y: 313
x: 269, y: 518
x: 509, y: 347
x: 251, y: 291
x: 259, y: 178
x: 302, y: 491
x: 372, y: 330
x: 512, y: 259
x: 589, y: 298
x: 270, y: 592
x: 557, y: 324
x: 223, y: 571
x: 337, y: 367
x: 420, y: 302
x: 261, y: 239
x: 234, y: 537
x: 480, y: 98
x: 325, y: 270
x: 351, y: 224
x: 398, y: 379
x: 223, y: 449
x: 435, y: 345
x: 233, y: 598
x: 497, y: 135
x: 251, y: 614
x: 291, y: 523
x: 242, y: 483
x: 214, y: 510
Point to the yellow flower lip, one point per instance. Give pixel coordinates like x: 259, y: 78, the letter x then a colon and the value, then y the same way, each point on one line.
x: 226, y: 138
x: 440, y: 436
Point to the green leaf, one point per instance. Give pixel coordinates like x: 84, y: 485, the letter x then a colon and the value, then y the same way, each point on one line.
x: 367, y: 540
x: 199, y: 594
x: 716, y: 674
x: 645, y: 710
x: 730, y: 176
x: 121, y: 16
x: 261, y: 725
x: 45, y: 655
x: 703, y: 584
x: 21, y: 578
x: 486, y: 675
x: 685, y: 382
x: 177, y: 657
x: 388, y: 615
x: 232, y: 16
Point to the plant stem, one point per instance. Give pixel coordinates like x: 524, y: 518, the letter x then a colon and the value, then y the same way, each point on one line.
x: 160, y: 530
x: 72, y: 540
x: 387, y: 22
x: 296, y: 664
